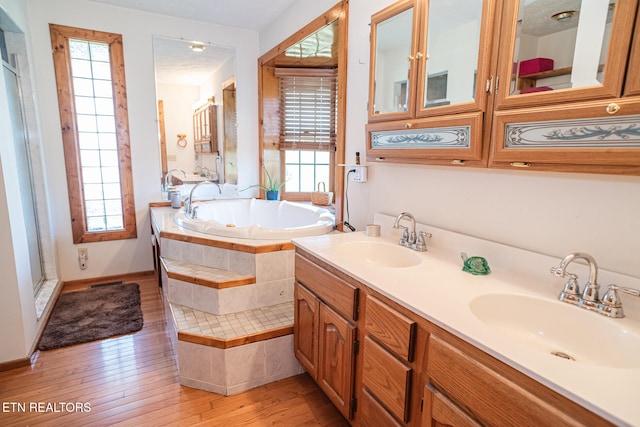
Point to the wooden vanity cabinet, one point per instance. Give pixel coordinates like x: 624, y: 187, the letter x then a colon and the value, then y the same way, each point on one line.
x: 466, y: 386
x: 325, y: 331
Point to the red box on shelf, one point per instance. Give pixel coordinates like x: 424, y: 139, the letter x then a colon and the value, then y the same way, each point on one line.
x: 535, y: 65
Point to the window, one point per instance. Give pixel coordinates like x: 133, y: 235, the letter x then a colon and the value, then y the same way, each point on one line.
x: 89, y: 68
x: 308, y: 103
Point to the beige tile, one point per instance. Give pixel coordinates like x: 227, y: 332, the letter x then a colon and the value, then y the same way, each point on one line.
x: 245, y: 363
x: 280, y: 358
x: 216, y: 257
x: 271, y: 266
x: 242, y: 262
x: 194, y: 361
x: 179, y: 292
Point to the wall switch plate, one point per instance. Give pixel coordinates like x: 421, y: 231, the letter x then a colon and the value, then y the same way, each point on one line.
x: 83, y: 257
x: 360, y: 174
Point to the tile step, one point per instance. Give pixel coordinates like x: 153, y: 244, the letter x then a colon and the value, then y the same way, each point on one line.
x: 233, y: 329
x: 204, y: 276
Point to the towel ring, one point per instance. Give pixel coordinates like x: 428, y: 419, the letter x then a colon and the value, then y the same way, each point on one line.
x: 182, y: 140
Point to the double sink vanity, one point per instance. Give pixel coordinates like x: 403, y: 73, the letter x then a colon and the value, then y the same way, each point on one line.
x: 396, y: 336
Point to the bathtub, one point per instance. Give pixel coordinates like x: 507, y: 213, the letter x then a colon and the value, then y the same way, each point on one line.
x: 257, y: 219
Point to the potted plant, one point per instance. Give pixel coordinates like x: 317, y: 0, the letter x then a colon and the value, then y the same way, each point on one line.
x: 271, y: 186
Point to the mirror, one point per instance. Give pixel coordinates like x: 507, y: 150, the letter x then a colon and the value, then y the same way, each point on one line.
x: 453, y: 40
x: 392, y: 50
x: 189, y: 75
x: 560, y: 44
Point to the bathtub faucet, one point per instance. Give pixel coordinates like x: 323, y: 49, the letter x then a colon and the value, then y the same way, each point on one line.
x: 188, y: 203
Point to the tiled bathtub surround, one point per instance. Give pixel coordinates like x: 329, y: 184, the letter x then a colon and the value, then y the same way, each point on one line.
x: 230, y: 302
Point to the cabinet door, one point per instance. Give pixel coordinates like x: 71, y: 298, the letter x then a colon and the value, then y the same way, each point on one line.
x: 336, y: 359
x: 574, y: 55
x: 454, y: 56
x: 305, y: 329
x: 392, y: 70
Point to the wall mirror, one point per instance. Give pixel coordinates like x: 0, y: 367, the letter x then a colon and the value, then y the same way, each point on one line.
x: 453, y: 40
x: 393, y: 47
x: 561, y: 44
x: 188, y: 75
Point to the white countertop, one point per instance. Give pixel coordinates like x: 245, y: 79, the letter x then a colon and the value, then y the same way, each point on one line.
x: 438, y: 290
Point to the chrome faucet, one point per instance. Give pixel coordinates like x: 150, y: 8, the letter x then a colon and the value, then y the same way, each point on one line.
x: 188, y: 203
x: 166, y: 177
x: 610, y: 304
x: 589, y: 298
x: 409, y: 238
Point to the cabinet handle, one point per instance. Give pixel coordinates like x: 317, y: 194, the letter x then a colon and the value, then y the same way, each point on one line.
x: 410, y: 58
x: 521, y: 164
x: 497, y: 81
x: 613, y: 108
x: 457, y: 162
x: 419, y: 55
x: 408, y: 125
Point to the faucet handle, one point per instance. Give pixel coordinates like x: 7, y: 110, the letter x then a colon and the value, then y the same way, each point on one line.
x: 421, y: 244
x: 405, y: 235
x: 571, y: 291
x: 610, y: 304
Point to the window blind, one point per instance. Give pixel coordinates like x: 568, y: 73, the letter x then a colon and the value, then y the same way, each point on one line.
x: 308, y: 109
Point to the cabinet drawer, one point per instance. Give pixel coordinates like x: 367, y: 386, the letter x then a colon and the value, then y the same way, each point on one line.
x: 394, y: 330
x: 492, y: 398
x: 440, y: 411
x: 387, y: 378
x: 339, y: 294
x: 374, y: 414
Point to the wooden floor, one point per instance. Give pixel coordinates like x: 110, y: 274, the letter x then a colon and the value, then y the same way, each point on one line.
x: 133, y: 380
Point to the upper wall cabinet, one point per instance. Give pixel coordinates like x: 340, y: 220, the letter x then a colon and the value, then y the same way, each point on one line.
x: 430, y: 79
x: 567, y: 96
x: 538, y: 84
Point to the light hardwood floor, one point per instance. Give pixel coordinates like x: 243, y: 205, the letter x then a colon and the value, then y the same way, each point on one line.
x: 133, y: 380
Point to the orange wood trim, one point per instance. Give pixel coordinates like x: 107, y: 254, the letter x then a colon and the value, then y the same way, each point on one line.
x: 163, y: 139
x: 223, y: 343
x: 159, y: 204
x: 60, y: 36
x: 272, y: 247
x: 15, y: 364
x: 215, y: 284
x: 78, y: 284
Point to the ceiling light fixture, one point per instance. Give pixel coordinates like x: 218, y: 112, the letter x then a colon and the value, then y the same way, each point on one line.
x: 197, y: 47
x: 563, y: 16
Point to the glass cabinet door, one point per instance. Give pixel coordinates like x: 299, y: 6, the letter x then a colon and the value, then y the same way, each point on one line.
x: 392, y: 63
x: 454, y: 56
x: 565, y: 51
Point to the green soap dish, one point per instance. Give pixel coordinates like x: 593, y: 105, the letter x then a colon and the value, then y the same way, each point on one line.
x: 475, y: 265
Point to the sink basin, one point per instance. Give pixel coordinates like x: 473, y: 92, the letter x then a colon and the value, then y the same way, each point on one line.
x: 559, y: 329
x: 379, y: 254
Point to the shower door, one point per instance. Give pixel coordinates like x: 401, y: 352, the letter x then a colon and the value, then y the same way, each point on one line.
x: 25, y: 177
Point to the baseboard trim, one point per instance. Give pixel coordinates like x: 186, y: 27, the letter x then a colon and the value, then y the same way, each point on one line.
x: 124, y: 277
x: 14, y: 364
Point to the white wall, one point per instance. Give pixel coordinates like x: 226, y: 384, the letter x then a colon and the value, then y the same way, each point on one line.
x: 551, y: 213
x: 137, y: 28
